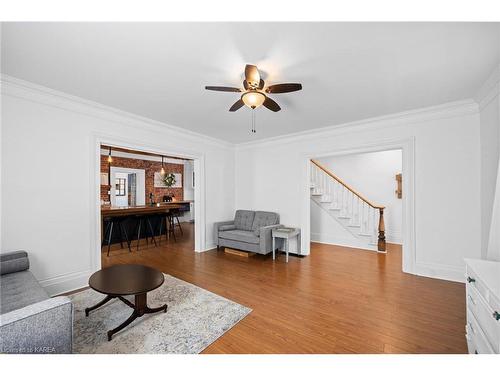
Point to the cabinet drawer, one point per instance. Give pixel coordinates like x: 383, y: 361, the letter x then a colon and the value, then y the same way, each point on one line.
x: 476, y: 340
x: 484, y: 315
x: 473, y: 279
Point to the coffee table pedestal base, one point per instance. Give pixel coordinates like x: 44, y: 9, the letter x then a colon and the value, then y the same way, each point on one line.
x: 140, y: 308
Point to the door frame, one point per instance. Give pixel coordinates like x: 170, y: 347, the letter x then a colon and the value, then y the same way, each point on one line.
x: 407, y: 146
x: 140, y: 172
x: 122, y: 142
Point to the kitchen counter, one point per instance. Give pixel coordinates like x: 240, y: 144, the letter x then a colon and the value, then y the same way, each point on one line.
x: 146, y: 209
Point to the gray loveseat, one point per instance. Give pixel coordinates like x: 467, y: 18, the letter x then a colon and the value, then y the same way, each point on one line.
x: 249, y: 231
x: 31, y: 321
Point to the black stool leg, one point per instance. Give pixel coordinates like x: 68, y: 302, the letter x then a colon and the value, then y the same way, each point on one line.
x: 172, y: 227
x: 161, y: 226
x: 179, y: 224
x: 109, y: 238
x: 139, y: 232
x: 151, y: 229
x: 167, y: 229
x: 105, y: 234
x: 123, y: 231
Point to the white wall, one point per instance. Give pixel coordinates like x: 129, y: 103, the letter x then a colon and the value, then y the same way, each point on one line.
x: 373, y: 175
x: 489, y: 104
x: 270, y: 175
x: 493, y: 250
x: 39, y: 212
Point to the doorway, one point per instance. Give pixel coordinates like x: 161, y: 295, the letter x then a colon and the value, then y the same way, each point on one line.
x: 192, y: 214
x: 408, y: 229
x: 129, y: 187
x: 344, y: 208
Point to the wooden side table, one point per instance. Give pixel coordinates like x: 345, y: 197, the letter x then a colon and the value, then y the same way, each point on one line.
x: 290, y: 236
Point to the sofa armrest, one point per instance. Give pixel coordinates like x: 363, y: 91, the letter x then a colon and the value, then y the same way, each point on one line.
x: 217, y: 228
x: 266, y: 239
x: 43, y: 327
x: 14, y: 261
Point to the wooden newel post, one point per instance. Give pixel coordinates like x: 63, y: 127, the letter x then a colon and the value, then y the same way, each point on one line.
x: 381, y: 231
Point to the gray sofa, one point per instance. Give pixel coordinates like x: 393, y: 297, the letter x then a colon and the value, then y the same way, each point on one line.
x: 30, y: 321
x: 249, y: 231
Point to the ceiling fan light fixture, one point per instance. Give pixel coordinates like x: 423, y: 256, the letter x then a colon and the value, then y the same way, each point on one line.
x: 253, y: 99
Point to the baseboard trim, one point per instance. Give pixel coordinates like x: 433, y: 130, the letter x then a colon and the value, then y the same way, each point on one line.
x: 66, y: 283
x: 440, y: 271
x: 341, y: 244
x: 208, y: 247
x: 345, y: 242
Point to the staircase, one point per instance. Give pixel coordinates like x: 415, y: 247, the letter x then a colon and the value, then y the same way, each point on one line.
x: 361, y: 218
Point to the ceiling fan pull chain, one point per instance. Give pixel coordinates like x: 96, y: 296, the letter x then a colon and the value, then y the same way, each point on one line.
x: 253, y: 121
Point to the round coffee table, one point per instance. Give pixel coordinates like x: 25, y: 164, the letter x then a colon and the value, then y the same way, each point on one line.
x: 126, y: 280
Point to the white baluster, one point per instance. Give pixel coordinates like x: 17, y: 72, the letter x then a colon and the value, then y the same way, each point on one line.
x: 372, y: 213
x: 352, y: 209
x: 362, y: 218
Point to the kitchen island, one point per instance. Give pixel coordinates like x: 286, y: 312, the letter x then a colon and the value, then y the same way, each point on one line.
x: 130, y: 214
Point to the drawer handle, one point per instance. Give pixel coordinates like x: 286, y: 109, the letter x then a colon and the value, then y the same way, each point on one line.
x: 496, y: 315
x: 470, y: 279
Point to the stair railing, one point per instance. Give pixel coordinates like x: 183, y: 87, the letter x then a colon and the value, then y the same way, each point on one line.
x: 360, y: 208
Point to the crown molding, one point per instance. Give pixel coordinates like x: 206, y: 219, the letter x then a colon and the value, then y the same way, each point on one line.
x: 447, y: 110
x: 30, y: 91
x: 19, y: 88
x: 490, y: 89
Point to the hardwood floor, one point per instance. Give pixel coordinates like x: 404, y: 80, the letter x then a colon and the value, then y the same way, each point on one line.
x: 337, y: 300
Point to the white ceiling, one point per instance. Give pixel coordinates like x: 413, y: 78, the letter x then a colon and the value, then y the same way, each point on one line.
x: 349, y: 71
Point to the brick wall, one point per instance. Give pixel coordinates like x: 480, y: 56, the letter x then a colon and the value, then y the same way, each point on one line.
x: 150, y: 167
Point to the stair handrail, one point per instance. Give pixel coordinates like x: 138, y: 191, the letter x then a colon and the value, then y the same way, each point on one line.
x: 347, y: 186
x: 381, y: 245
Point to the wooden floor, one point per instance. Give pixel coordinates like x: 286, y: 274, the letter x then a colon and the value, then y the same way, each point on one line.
x: 337, y: 300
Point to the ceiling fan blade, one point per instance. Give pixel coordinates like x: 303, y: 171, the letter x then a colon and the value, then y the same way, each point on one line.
x: 271, y: 104
x: 261, y: 84
x: 252, y: 75
x: 222, y: 88
x: 236, y: 106
x: 245, y: 85
x: 281, y: 88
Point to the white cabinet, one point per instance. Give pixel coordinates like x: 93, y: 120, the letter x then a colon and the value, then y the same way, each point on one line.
x: 483, y: 306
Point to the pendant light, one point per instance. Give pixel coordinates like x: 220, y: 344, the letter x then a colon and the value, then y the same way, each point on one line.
x: 162, y: 172
x: 110, y: 159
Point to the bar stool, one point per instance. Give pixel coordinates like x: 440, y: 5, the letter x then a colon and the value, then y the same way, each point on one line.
x: 167, y: 218
x: 140, y: 220
x: 175, y: 212
x: 111, y: 222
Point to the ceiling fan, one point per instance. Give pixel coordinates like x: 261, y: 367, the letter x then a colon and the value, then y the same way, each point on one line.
x: 253, y: 92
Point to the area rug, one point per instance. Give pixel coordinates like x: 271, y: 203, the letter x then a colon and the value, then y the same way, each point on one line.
x: 195, y: 318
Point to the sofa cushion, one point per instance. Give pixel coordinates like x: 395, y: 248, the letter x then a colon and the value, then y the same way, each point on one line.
x: 18, y: 290
x: 243, y: 219
x: 239, y: 235
x: 263, y: 219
